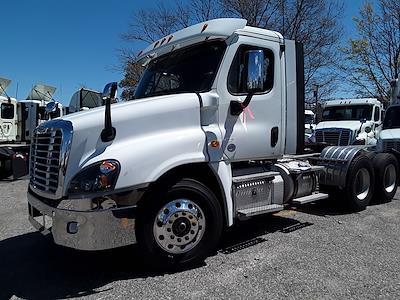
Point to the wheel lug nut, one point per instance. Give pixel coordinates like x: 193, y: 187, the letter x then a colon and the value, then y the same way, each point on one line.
x: 161, y: 237
x: 170, y: 246
x: 190, y: 217
x: 186, y: 238
x: 193, y: 223
x: 183, y: 214
x: 172, y: 237
x: 191, y: 231
x: 179, y: 240
x: 159, y: 223
x: 178, y: 204
x: 166, y: 211
x: 200, y: 227
x: 169, y: 229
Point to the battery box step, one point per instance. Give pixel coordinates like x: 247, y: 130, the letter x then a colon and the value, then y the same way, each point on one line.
x: 310, y: 198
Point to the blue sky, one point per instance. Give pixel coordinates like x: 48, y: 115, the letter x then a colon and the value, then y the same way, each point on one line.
x: 72, y: 43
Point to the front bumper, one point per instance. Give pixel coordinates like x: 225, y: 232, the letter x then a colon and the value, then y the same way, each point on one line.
x: 92, y: 229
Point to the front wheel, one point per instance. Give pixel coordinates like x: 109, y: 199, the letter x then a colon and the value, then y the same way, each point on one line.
x: 360, y: 183
x: 180, y: 224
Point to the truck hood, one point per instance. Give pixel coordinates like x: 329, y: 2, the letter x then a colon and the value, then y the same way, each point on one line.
x: 389, y: 134
x: 352, y: 125
x: 150, y: 131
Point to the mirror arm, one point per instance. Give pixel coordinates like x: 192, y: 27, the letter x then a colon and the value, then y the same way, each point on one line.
x: 237, y: 107
x: 108, y: 133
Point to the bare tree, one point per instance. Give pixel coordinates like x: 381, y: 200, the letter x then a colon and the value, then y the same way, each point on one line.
x: 374, y: 55
x: 316, y: 23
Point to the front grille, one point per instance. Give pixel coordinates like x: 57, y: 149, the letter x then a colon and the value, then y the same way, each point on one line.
x: 333, y: 137
x: 388, y: 145
x: 45, y: 159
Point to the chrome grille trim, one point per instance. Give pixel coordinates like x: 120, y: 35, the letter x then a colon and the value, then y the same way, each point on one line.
x: 334, y: 137
x: 49, y: 157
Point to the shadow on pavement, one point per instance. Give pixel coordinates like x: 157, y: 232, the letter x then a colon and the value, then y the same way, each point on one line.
x: 33, y: 267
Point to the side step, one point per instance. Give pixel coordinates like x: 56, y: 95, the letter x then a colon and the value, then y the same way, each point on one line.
x: 310, y: 198
x: 253, y: 211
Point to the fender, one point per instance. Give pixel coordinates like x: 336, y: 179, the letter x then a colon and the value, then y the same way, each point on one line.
x: 336, y: 160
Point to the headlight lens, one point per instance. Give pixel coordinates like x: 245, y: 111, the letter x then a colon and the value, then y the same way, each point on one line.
x: 98, y: 177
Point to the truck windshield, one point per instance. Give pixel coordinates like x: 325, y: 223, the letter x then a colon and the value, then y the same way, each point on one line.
x: 392, y: 118
x: 7, y: 111
x: 189, y: 70
x: 350, y: 112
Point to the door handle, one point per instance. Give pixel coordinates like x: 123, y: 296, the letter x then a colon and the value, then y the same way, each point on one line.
x: 274, y: 136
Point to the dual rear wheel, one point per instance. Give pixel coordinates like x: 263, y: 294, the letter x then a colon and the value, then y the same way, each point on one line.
x: 371, y: 176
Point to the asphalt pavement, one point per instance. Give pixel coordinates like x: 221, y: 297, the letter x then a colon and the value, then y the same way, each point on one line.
x: 318, y: 251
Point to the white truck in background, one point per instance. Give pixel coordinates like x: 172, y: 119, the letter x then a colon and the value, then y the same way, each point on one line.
x: 350, y: 122
x: 215, y: 136
x: 18, y: 120
x: 389, y: 138
x: 309, y: 125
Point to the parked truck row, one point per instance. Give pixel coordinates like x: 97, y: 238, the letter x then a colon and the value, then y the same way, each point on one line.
x: 215, y: 136
x: 19, y: 118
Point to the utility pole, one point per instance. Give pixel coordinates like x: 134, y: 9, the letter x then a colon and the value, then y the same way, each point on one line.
x: 317, y: 109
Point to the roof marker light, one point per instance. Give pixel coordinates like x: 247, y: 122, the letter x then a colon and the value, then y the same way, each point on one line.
x: 204, y: 27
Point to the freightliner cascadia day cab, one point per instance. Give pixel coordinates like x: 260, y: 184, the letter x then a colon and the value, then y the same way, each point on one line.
x: 214, y: 136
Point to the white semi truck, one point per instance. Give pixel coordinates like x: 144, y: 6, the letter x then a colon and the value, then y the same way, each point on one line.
x: 214, y: 136
x: 18, y: 120
x: 350, y: 122
x: 389, y: 138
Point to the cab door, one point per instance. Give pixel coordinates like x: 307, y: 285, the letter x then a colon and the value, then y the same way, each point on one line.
x: 256, y: 132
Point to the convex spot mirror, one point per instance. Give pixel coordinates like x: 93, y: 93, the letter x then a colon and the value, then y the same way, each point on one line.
x: 110, y: 91
x: 255, y: 70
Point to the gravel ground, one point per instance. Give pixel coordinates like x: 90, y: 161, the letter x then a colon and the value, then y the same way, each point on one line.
x: 316, y: 252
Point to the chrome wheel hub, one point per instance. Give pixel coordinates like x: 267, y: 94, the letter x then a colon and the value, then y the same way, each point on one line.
x: 179, y: 226
x: 362, y: 182
x: 390, y: 178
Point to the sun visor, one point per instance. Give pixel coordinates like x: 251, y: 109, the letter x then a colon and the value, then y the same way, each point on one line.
x: 41, y: 92
x: 4, y: 83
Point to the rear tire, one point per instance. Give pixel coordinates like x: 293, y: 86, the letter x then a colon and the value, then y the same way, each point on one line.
x: 179, y: 224
x: 360, y: 183
x: 386, y: 170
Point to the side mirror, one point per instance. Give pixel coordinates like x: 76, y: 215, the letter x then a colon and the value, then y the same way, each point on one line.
x: 51, y: 107
x: 255, y: 70
x: 255, y: 79
x: 110, y: 91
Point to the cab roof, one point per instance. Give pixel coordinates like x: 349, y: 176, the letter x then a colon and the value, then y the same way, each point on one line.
x: 360, y: 101
x: 213, y: 29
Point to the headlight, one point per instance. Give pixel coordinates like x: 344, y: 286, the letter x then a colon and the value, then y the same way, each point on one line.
x: 99, y: 177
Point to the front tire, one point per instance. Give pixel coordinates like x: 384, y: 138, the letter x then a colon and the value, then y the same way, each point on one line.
x: 359, y: 183
x: 179, y: 224
x: 386, y: 170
